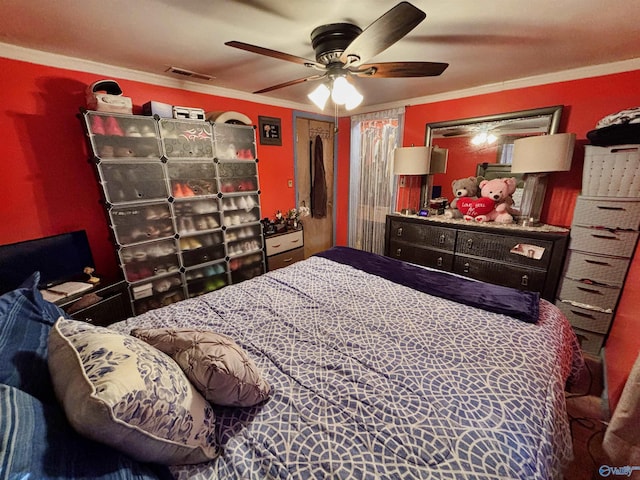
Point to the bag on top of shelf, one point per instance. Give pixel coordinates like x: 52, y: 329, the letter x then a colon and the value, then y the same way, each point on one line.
x: 106, y: 96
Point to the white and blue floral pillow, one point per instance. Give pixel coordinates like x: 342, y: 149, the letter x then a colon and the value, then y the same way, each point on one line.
x: 118, y: 390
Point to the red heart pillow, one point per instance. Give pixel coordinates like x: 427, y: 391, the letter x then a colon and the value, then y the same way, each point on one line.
x: 473, y: 208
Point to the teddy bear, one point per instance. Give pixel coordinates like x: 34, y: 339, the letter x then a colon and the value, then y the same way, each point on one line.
x: 462, y: 188
x: 500, y: 190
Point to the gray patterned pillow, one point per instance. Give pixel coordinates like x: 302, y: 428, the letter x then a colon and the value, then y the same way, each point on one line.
x: 117, y: 390
x: 215, y: 364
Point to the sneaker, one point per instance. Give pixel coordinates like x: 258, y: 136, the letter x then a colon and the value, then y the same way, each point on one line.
x: 132, y: 131
x: 97, y: 125
x: 147, y: 131
x: 111, y: 127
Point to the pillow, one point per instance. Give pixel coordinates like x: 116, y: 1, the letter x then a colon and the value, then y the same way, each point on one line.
x: 214, y: 363
x: 25, y: 321
x: 118, y: 390
x: 42, y: 445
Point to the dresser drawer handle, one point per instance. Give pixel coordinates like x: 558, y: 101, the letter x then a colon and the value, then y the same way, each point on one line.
x: 590, y: 290
x: 398, y: 252
x: 295, y: 241
x: 399, y: 232
x: 469, y: 243
x: 580, y: 314
x: 602, y: 207
x: 466, y: 268
x: 287, y: 260
x: 525, y: 280
x: 604, y: 237
x: 442, y: 238
x: 439, y: 261
x: 277, y: 246
x: 595, y: 262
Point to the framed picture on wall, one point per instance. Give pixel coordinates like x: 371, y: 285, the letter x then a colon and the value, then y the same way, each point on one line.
x: 270, y: 131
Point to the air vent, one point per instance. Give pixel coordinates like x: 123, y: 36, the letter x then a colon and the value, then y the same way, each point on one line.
x: 189, y: 73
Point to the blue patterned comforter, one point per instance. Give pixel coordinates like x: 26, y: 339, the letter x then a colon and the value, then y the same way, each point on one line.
x: 372, y: 379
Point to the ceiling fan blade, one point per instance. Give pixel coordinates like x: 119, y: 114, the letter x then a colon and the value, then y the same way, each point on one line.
x: 401, y: 69
x: 383, y: 33
x: 289, y: 83
x: 273, y: 53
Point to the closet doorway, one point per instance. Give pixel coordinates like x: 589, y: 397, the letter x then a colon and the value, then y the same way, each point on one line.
x: 314, y: 182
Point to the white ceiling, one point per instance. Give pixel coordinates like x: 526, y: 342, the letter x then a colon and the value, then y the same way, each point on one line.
x: 485, y: 42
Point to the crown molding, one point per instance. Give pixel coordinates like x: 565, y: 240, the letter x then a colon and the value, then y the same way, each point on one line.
x: 72, y: 63
x: 555, y: 77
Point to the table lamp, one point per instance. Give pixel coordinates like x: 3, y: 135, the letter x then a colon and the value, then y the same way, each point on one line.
x: 420, y: 161
x: 411, y: 161
x: 536, y: 157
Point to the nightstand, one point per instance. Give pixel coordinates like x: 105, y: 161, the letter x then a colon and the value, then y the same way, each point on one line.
x: 283, y: 249
x: 106, y: 303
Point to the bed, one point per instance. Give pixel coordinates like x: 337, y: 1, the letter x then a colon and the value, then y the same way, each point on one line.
x: 376, y: 369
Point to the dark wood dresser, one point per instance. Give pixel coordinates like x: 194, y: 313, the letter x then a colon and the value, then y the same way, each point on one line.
x: 527, y: 258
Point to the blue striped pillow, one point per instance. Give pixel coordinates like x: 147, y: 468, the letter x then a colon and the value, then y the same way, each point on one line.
x: 25, y: 321
x: 40, y: 444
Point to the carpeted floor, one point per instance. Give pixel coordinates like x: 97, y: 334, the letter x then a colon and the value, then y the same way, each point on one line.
x: 587, y: 416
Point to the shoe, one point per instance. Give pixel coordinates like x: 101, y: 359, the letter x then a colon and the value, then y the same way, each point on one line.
x: 132, y: 131
x: 186, y: 191
x: 111, y: 127
x: 211, y: 222
x: 147, y: 131
x: 106, y: 151
x: 97, y: 125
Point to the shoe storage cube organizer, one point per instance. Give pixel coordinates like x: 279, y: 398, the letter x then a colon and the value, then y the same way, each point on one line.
x: 182, y: 198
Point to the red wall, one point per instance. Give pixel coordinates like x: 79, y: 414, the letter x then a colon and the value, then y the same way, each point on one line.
x: 47, y: 186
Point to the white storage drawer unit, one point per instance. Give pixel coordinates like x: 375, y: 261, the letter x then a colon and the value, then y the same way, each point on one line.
x: 604, y: 234
x: 282, y: 243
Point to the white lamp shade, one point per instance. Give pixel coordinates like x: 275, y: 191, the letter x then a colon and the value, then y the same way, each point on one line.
x: 543, y: 153
x: 411, y: 160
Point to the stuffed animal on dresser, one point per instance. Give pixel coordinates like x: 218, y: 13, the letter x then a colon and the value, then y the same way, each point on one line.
x: 462, y: 188
x: 500, y: 190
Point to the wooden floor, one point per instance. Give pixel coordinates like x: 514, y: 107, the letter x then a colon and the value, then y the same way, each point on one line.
x: 587, y: 416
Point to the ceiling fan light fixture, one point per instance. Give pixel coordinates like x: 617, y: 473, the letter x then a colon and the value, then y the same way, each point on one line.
x: 354, y: 100
x: 340, y: 90
x: 320, y: 95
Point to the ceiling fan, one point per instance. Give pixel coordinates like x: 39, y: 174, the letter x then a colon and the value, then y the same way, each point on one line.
x: 343, y: 48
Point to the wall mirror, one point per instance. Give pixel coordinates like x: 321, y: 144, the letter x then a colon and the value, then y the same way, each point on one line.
x: 483, y: 145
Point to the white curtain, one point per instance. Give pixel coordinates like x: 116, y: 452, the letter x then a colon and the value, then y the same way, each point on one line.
x: 374, y: 137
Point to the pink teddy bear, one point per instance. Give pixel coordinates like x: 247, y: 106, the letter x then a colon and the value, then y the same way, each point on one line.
x: 500, y: 191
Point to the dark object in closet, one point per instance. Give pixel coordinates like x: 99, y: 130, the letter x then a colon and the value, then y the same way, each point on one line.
x: 319, y: 183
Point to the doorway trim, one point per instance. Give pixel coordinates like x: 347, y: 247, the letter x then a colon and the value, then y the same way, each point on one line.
x: 323, y: 118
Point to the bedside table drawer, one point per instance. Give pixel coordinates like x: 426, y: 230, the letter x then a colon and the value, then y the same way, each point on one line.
x: 498, y: 248
x: 282, y: 243
x: 285, y: 259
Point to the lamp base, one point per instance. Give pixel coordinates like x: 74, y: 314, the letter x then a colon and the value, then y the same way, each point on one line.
x: 535, y: 187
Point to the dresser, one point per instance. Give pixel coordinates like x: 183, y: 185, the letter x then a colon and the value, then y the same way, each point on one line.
x: 527, y: 258
x: 604, y: 234
x: 285, y: 248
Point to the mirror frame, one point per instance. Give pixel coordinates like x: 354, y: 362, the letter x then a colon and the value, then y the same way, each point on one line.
x: 554, y: 112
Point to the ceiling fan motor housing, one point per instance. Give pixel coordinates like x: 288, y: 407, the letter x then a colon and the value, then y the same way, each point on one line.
x: 329, y: 41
